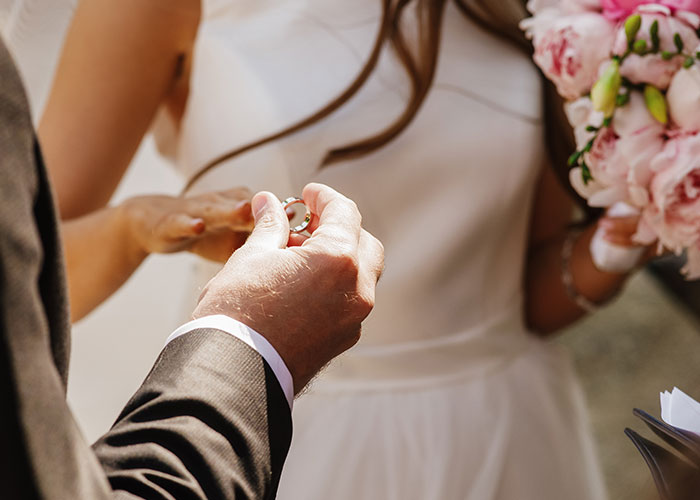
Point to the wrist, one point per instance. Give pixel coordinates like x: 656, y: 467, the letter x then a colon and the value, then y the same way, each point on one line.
x: 126, y: 221
x: 281, y: 337
x: 595, y: 285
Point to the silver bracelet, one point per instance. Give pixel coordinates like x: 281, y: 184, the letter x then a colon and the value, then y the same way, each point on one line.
x: 567, y: 277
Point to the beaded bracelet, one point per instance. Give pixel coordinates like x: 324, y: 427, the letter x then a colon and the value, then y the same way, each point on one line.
x: 567, y: 277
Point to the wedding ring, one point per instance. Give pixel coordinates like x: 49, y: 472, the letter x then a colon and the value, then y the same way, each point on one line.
x: 293, y: 200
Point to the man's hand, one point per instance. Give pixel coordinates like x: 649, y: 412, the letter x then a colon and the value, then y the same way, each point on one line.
x: 310, y: 299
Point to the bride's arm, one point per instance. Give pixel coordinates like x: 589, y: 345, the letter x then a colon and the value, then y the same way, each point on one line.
x: 548, y: 305
x: 121, y: 61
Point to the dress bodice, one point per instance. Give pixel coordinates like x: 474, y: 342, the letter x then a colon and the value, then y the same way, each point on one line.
x: 450, y: 197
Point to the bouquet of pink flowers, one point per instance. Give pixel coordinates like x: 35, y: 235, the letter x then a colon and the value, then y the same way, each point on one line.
x: 630, y: 73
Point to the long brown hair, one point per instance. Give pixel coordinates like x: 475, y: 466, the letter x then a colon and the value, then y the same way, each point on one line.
x: 419, y: 59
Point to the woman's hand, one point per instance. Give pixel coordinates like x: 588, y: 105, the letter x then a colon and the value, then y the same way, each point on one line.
x: 548, y: 302
x: 617, y: 233
x: 105, y: 247
x: 211, y: 225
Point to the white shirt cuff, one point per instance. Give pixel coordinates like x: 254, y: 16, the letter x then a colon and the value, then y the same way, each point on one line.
x: 250, y: 337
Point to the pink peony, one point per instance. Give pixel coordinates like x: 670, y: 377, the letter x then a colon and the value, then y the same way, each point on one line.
x: 674, y: 209
x: 570, y: 49
x: 619, y: 9
x: 684, y: 99
x: 651, y: 68
x: 581, y: 114
x: 621, y: 156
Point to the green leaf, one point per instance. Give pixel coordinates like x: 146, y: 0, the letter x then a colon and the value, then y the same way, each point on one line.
x: 632, y: 25
x: 607, y: 122
x: 588, y: 146
x: 666, y: 55
x: 678, y: 41
x: 573, y: 159
x: 656, y: 104
x: 622, y: 99
x: 639, y: 47
x: 654, y: 34
x: 591, y: 128
x: 586, y: 173
x: 688, y: 62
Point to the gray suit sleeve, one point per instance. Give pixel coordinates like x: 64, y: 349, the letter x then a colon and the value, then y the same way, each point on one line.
x: 198, y: 427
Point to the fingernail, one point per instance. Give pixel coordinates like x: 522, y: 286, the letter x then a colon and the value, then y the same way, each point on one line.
x: 198, y: 226
x: 259, y: 205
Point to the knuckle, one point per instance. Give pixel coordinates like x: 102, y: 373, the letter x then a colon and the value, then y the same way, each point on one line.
x: 379, y: 245
x: 353, y: 206
x: 354, y: 210
x: 344, y: 205
x: 346, y: 264
x: 364, y: 305
x: 378, y: 249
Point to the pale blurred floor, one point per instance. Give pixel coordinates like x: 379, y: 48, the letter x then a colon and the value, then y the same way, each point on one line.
x: 626, y: 354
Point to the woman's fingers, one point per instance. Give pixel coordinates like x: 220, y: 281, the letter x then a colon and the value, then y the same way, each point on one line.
x: 223, y: 210
x: 620, y: 230
x: 178, y: 226
x: 218, y: 247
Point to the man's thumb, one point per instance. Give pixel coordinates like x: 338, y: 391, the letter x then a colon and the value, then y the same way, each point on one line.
x: 271, y: 222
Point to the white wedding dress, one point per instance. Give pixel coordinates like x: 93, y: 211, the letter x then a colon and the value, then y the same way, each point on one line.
x: 447, y: 396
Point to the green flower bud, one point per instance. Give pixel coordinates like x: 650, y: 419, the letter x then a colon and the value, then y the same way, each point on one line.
x: 632, y: 25
x: 656, y: 104
x: 654, y: 35
x: 639, y: 47
x: 678, y: 42
x: 666, y: 55
x: 604, y: 92
x: 688, y: 62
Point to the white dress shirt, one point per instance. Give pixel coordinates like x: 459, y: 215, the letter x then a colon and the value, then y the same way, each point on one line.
x: 250, y: 337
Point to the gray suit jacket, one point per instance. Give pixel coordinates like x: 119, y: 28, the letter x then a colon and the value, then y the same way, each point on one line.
x: 209, y: 421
